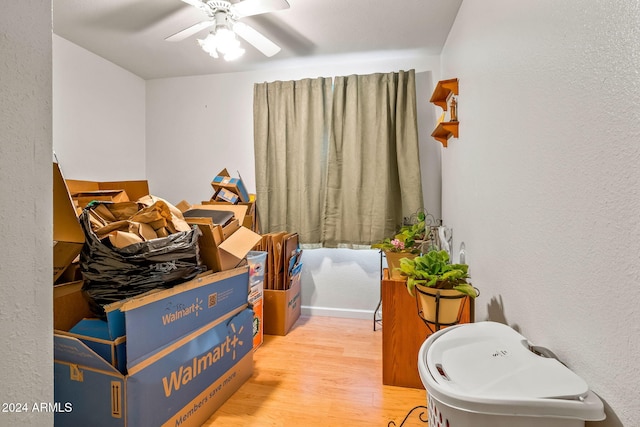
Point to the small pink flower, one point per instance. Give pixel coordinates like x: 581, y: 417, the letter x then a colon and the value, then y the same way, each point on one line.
x: 399, y: 245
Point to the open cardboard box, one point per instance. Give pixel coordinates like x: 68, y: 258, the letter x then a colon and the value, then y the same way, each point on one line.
x: 249, y: 214
x: 282, y: 308
x: 83, y: 198
x: 221, y: 249
x: 180, y: 364
x: 68, y: 236
x: 134, y: 189
x: 223, y: 181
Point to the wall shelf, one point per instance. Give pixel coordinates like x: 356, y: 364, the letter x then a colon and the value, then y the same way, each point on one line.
x: 444, y: 91
x: 444, y: 131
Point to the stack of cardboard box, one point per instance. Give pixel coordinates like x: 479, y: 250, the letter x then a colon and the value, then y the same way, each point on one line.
x: 165, y: 357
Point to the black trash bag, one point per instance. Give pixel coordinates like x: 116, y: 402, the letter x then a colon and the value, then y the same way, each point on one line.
x: 112, y: 274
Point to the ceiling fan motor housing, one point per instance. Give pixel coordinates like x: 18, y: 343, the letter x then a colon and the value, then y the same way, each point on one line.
x: 220, y: 6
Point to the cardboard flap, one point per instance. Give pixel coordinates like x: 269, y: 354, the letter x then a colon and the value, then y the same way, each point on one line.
x: 115, y: 319
x: 134, y: 189
x: 240, y: 243
x: 97, y: 193
x: 77, y: 185
x: 208, y: 241
x: 71, y: 350
x: 68, y: 236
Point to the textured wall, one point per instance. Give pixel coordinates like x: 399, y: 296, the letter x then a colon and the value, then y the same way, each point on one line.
x: 26, y: 369
x: 543, y: 184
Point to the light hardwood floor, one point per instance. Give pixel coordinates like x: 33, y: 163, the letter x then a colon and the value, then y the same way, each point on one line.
x: 325, y: 372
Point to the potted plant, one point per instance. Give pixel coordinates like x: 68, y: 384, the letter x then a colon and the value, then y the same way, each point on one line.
x: 407, y: 243
x: 441, y: 286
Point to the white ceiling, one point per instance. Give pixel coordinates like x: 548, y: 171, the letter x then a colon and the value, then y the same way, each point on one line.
x: 131, y: 33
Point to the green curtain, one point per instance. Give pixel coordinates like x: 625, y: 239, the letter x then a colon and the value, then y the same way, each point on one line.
x: 374, y: 164
x: 339, y: 166
x: 291, y: 120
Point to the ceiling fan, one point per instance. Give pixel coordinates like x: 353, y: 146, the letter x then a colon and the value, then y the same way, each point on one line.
x: 224, y: 17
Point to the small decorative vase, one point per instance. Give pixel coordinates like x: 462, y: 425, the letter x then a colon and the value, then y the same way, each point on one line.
x: 393, y: 262
x: 449, y: 302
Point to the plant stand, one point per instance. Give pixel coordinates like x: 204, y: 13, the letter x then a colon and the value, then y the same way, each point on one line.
x: 442, y: 307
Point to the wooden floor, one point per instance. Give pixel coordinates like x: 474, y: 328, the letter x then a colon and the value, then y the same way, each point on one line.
x: 325, y: 372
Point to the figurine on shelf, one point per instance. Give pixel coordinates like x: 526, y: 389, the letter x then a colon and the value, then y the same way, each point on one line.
x: 454, y: 109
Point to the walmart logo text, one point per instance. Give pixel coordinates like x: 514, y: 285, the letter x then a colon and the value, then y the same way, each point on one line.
x: 186, y: 373
x: 181, y: 311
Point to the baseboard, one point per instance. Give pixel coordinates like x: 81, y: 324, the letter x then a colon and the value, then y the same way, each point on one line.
x: 337, y: 312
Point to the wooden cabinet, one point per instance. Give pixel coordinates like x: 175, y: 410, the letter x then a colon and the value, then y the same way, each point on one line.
x: 403, y: 332
x: 440, y: 97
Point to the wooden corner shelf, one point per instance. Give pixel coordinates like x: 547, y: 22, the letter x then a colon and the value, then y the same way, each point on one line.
x: 440, y: 97
x: 442, y: 91
x: 444, y: 131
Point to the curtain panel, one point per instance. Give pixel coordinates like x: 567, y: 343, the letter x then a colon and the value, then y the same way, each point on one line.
x: 374, y: 176
x: 291, y: 122
x: 339, y: 166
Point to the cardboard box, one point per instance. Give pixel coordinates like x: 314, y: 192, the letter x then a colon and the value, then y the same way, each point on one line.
x: 256, y: 301
x: 281, y: 247
x: 152, y: 320
x: 246, y: 210
x: 68, y: 236
x: 163, y: 336
x: 149, y: 321
x: 282, y: 308
x: 224, y: 181
x: 182, y: 384
x: 134, y: 189
x: 223, y: 248
x: 225, y: 195
x: 257, y: 262
x: 83, y: 198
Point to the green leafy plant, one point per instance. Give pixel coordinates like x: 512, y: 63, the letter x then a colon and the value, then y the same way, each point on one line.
x: 408, y: 239
x: 434, y: 270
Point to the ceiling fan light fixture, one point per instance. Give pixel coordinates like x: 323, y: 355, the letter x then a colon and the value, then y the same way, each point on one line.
x: 223, y: 17
x: 222, y: 42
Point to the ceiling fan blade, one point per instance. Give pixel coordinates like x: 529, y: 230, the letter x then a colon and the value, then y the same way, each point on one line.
x: 256, y: 7
x: 196, y: 3
x: 181, y: 35
x: 259, y: 41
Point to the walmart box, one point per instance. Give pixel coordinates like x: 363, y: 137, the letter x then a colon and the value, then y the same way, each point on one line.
x: 181, y: 384
x: 151, y: 320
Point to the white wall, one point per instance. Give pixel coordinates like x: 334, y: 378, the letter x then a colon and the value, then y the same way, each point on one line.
x: 543, y: 183
x: 98, y: 116
x: 25, y: 210
x: 198, y: 125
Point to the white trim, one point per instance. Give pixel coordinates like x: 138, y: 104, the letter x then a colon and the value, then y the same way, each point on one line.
x: 336, y: 312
